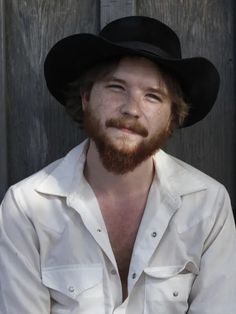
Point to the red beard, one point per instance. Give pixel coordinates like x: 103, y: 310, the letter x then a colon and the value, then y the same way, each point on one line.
x: 117, y: 160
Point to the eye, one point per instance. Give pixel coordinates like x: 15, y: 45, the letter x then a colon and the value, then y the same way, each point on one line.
x: 154, y: 97
x: 115, y: 87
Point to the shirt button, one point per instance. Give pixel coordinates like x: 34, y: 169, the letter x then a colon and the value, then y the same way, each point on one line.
x: 113, y: 272
x: 154, y: 234
x: 175, y: 293
x: 99, y: 230
x: 134, y: 275
x: 71, y: 289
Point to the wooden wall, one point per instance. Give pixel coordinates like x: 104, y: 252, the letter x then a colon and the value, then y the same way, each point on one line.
x: 34, y: 129
x: 3, y: 118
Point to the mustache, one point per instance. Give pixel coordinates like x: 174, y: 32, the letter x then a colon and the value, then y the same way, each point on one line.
x: 127, y: 123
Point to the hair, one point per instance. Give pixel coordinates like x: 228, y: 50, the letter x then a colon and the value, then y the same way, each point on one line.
x: 85, y: 82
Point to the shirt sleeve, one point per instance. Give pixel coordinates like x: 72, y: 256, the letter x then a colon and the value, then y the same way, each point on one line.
x: 21, y: 290
x: 214, y: 289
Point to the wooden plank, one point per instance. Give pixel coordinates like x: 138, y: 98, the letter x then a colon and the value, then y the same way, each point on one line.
x: 114, y: 9
x: 39, y: 131
x: 206, y: 28
x: 3, y: 115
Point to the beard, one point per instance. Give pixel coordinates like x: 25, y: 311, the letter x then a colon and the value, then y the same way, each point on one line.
x: 122, y: 160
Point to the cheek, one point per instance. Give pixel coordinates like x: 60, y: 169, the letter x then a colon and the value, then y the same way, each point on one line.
x: 101, y: 108
x: 160, y: 117
x: 159, y: 123
x: 98, y: 99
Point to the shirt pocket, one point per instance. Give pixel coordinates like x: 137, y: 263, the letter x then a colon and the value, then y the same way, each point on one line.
x: 75, y: 289
x: 167, y: 288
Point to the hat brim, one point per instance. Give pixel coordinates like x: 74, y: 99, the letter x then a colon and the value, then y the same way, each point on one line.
x: 71, y: 56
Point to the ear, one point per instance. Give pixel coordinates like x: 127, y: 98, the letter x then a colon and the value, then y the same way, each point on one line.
x: 84, y: 99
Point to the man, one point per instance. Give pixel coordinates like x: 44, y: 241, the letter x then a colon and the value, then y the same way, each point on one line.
x: 118, y: 226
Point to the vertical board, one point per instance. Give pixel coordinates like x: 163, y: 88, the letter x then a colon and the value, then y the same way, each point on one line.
x: 3, y: 114
x: 206, y: 28
x: 38, y: 129
x: 114, y: 9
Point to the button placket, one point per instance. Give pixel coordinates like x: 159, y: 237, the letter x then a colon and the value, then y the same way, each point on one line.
x: 113, y: 272
x: 154, y: 234
x: 72, y: 290
x: 134, y: 275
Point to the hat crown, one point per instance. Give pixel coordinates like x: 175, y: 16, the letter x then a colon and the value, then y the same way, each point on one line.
x: 145, y: 30
x: 134, y: 35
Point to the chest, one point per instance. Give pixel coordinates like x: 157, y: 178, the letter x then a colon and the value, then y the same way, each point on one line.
x: 122, y: 223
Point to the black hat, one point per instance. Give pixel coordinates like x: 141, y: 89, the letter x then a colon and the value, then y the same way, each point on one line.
x: 134, y: 35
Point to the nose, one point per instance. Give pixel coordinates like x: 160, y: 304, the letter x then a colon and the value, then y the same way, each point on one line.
x: 131, y: 107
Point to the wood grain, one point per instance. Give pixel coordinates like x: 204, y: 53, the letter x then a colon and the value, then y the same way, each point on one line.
x: 39, y: 131
x: 114, y: 9
x: 206, y: 28
x: 3, y: 113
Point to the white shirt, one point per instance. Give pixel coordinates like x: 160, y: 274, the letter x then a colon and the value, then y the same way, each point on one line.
x: 56, y: 256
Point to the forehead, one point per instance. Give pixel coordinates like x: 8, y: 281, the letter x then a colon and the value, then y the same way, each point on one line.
x: 139, y: 66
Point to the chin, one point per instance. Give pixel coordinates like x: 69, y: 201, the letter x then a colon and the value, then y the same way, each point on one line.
x: 125, y: 145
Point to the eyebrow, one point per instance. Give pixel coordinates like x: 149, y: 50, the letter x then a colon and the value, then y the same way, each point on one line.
x: 115, y: 79
x: 158, y: 91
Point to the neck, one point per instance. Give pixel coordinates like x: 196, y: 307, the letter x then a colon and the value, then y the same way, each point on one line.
x: 103, y: 181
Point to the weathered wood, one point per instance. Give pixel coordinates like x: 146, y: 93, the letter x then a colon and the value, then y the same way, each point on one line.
x: 114, y: 9
x: 206, y: 28
x: 39, y: 131
x: 3, y: 115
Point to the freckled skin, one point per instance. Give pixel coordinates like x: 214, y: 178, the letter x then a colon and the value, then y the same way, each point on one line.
x: 135, y: 90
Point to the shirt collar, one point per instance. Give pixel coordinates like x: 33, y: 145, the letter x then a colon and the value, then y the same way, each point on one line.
x: 176, y: 177
x: 60, y: 181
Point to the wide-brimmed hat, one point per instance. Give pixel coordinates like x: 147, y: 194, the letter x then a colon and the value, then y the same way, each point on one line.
x: 133, y: 35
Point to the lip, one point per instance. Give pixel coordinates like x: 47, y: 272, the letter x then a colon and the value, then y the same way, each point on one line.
x: 127, y: 130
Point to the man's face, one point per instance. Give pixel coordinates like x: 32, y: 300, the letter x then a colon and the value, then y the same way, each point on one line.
x: 127, y: 114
